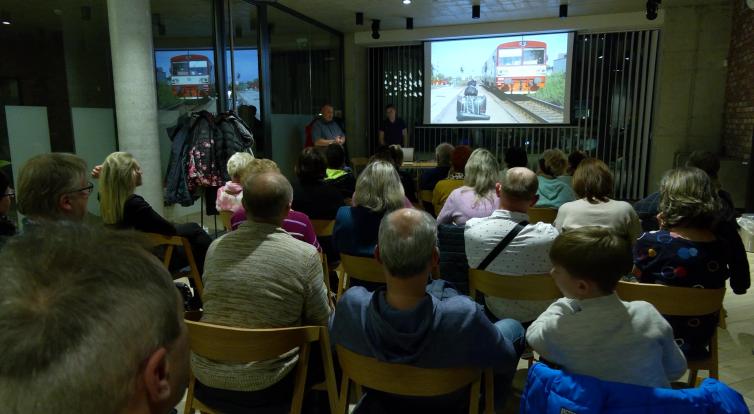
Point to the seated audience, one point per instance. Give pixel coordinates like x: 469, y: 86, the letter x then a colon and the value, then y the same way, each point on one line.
x: 92, y: 323
x: 411, y: 322
x: 53, y: 187
x: 593, y: 184
x: 408, y: 180
x: 311, y: 195
x: 591, y: 331
x: 458, y: 158
x: 527, y: 253
x: 552, y: 191
x: 726, y: 227
x: 686, y: 252
x: 259, y: 276
x: 119, y: 206
x: 336, y: 174
x: 429, y: 178
x: 574, y: 159
x: 297, y: 224
x: 477, y: 197
x: 7, y: 227
x: 516, y: 157
x: 378, y: 191
x: 229, y: 196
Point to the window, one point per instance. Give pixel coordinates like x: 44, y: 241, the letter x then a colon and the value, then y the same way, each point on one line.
x: 534, y: 56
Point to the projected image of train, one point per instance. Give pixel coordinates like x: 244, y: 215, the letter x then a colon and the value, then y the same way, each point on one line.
x: 517, y: 67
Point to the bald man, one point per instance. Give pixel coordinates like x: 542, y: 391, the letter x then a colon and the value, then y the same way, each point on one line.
x: 426, y: 325
x: 325, y: 130
x: 528, y: 253
x: 259, y: 276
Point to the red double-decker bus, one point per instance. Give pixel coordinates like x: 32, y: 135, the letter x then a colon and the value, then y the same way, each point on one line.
x: 191, y: 76
x: 517, y: 67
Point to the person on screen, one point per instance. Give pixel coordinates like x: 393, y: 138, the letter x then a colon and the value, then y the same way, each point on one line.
x: 393, y: 129
x: 471, y: 89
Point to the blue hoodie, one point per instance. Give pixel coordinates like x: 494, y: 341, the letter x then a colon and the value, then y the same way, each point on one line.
x: 553, y: 193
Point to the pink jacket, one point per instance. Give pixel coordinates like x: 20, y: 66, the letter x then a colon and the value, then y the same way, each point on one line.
x: 229, y: 197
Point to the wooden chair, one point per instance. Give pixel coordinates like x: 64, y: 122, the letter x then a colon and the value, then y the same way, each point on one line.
x: 526, y: 287
x: 367, y: 269
x: 681, y: 301
x: 545, y: 215
x: 323, y: 228
x: 225, y: 216
x: 238, y: 345
x: 170, y: 242
x: 407, y: 380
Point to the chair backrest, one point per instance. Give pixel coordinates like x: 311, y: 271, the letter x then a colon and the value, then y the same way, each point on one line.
x: 674, y: 300
x: 225, y: 216
x: 323, y: 228
x: 527, y: 287
x: 238, y: 345
x: 367, y: 269
x: 401, y: 379
x: 170, y: 242
x: 545, y: 215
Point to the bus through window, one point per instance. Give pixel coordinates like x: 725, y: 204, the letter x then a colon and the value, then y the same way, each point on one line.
x: 507, y: 57
x: 534, y: 56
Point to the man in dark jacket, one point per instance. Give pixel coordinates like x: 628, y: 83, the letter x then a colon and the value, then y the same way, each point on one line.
x: 428, y: 326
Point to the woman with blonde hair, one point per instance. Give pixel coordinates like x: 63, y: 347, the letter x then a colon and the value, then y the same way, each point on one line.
x: 477, y: 197
x: 378, y: 191
x: 119, y: 206
x: 553, y: 192
x: 593, y: 183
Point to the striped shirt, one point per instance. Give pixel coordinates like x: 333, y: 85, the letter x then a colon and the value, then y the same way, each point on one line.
x: 297, y: 224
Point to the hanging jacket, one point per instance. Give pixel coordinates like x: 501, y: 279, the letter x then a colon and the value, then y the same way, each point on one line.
x: 176, y: 187
x: 550, y: 391
x: 203, y: 168
x: 232, y: 136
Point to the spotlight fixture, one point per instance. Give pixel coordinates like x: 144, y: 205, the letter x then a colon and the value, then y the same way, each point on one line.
x: 652, y: 7
x: 406, y: 2
x: 359, y: 19
x: 409, y: 23
x: 375, y: 29
x: 476, y: 11
x: 563, y: 11
x: 5, y: 18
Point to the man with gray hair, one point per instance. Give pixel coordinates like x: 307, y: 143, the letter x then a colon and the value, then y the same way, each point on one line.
x: 430, y: 177
x: 53, y: 187
x: 425, y: 325
x: 91, y: 323
x: 259, y: 276
x: 527, y: 251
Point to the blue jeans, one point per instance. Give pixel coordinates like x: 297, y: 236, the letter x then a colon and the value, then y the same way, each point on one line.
x: 512, y: 331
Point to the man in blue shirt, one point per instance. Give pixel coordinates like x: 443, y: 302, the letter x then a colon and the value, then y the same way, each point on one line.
x: 325, y: 130
x: 425, y: 325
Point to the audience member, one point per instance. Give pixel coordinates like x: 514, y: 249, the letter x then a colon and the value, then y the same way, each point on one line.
x: 410, y: 322
x: 476, y: 198
x: 336, y: 174
x: 429, y: 178
x: 311, y: 195
x: 458, y: 158
x: 552, y: 191
x: 393, y: 129
x: 591, y: 331
x: 53, y: 187
x: 92, y: 323
x: 593, y: 184
x: 726, y: 228
x: 408, y: 180
x: 229, y: 196
x: 525, y: 254
x: 685, y: 251
x: 378, y: 191
x: 297, y: 224
x: 119, y: 206
x: 516, y: 157
x: 574, y: 159
x: 259, y: 277
x: 325, y: 130
x: 7, y: 227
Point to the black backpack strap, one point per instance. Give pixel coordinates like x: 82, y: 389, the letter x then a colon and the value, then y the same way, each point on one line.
x: 502, y: 245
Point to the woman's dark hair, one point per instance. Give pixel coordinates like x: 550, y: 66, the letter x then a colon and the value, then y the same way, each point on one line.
x: 4, y: 183
x: 336, y: 156
x: 311, y: 166
x: 593, y: 180
x: 574, y: 159
x: 516, y: 157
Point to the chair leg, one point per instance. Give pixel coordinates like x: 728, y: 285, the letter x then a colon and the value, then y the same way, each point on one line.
x: 190, y: 396
x: 474, y: 397
x: 332, y: 387
x: 489, y: 392
x: 299, y: 385
x: 343, y: 402
x: 194, y: 268
x: 693, y: 374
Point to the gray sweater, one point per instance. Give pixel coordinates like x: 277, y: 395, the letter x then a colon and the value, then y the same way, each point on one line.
x: 604, y: 337
x: 259, y: 276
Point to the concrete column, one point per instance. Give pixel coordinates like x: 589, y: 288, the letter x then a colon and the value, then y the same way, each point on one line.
x: 135, y: 91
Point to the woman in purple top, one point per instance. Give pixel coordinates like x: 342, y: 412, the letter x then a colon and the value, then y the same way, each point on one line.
x: 296, y: 223
x: 477, y: 196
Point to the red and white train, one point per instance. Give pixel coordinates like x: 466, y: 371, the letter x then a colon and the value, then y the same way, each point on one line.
x: 517, y: 67
x: 191, y: 76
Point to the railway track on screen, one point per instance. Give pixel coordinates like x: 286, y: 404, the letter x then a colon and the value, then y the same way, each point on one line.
x: 539, y: 110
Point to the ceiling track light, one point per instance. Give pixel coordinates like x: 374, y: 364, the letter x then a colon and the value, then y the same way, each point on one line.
x: 652, y: 7
x: 563, y: 11
x: 375, y: 29
x: 5, y: 18
x: 476, y: 11
x: 409, y: 23
x: 359, y: 19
